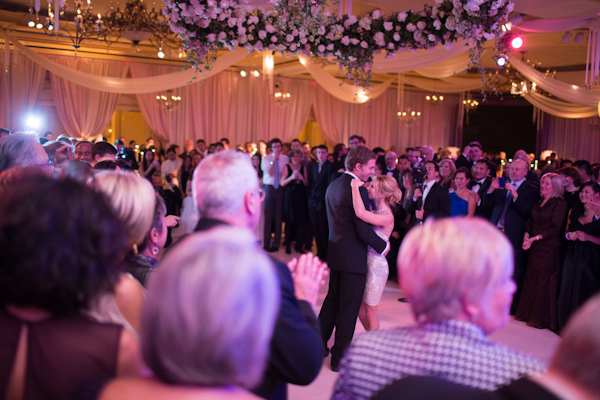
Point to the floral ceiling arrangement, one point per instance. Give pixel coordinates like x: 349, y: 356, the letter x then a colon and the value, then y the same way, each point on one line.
x: 301, y: 27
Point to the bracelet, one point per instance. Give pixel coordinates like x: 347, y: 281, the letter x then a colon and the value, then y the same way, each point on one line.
x: 567, y: 235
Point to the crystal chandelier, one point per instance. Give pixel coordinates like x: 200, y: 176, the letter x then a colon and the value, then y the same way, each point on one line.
x: 281, y: 96
x: 135, y: 23
x: 408, y: 115
x: 168, y: 100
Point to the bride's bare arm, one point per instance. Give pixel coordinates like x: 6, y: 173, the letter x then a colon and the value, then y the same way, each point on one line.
x: 362, y: 213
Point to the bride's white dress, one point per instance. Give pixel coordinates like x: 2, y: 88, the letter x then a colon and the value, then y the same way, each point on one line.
x: 377, y: 274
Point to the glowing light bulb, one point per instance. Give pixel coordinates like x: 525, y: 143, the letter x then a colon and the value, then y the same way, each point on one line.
x: 160, y: 53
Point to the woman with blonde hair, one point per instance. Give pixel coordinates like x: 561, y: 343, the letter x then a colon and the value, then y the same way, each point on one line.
x: 447, y: 172
x: 202, y: 335
x: 538, y: 303
x: 457, y: 299
x: 133, y: 200
x: 385, y: 193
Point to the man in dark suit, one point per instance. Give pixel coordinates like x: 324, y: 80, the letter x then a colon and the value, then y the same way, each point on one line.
x: 226, y: 192
x: 470, y: 155
x: 391, y: 167
x: 480, y: 184
x: 320, y: 177
x: 436, y: 199
x: 347, y: 253
x: 511, y: 208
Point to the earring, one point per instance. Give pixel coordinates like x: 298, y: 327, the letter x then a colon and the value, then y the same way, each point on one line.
x: 154, y: 250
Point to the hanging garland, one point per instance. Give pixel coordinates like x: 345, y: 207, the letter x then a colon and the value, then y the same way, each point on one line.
x: 208, y: 25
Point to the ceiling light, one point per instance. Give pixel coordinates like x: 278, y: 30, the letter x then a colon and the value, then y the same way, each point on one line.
x: 243, y: 73
x: 255, y: 73
x: 501, y: 61
x: 160, y: 53
x: 516, y: 42
x: 31, y: 24
x: 567, y: 36
x: 578, y: 37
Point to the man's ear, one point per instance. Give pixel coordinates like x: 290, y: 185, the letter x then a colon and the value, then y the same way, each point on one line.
x: 251, y: 203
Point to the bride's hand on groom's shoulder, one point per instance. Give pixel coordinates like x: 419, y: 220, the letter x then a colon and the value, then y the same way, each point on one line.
x: 356, y: 183
x: 308, y: 273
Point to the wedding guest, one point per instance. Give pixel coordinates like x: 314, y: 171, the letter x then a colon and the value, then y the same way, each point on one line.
x: 185, y: 173
x: 149, y: 165
x: 479, y: 185
x: 447, y: 171
x: 23, y: 150
x: 471, y: 153
x: 295, y: 201
x: 103, y: 151
x: 390, y: 166
x: 537, y: 305
x: 580, y: 279
x: 52, y: 269
x: 435, y: 197
x: 59, y: 153
x: 83, y: 151
x: 200, y: 297
x: 457, y: 299
x: 571, y: 183
x: 462, y: 201
x: 272, y: 166
x: 133, y: 199
x: 585, y: 170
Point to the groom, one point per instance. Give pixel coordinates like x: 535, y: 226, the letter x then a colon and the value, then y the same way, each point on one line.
x: 347, y: 253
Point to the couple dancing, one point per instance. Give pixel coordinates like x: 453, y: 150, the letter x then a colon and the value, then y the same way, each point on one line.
x: 353, y: 267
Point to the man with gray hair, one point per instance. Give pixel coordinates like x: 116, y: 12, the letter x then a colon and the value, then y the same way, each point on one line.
x: 226, y: 191
x: 22, y: 150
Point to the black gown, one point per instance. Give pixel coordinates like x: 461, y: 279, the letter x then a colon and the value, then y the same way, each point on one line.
x: 580, y: 272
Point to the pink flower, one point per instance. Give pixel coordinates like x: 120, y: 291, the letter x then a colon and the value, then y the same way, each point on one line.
x: 378, y: 38
x: 204, y: 23
x: 321, y: 48
x: 231, y: 22
x: 259, y: 46
x: 402, y: 17
x: 354, y: 41
x: 289, y: 38
x: 222, y: 35
x: 411, y: 27
x: 364, y: 45
x: 211, y: 37
x: 450, y: 24
x: 437, y: 24
x: 376, y: 14
x: 262, y: 35
x: 350, y: 21
x: 330, y: 47
x: 252, y: 20
x: 293, y: 47
x: 388, y: 26
x: 345, y: 40
x: 269, y: 28
x: 421, y: 24
x: 431, y: 37
x: 397, y: 37
x: 234, y: 43
x: 391, y: 46
x: 274, y: 39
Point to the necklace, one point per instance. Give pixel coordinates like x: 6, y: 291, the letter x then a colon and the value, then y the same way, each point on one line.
x: 383, y: 209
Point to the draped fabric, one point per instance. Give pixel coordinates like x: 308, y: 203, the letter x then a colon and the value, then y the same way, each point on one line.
x: 577, y: 139
x: 445, y: 85
x: 409, y: 61
x: 85, y: 113
x: 20, y: 87
x: 559, y: 108
x: 565, y: 91
x: 124, y: 85
x: 225, y: 105
x: 451, y: 67
x: 557, y: 25
x: 377, y: 121
x: 342, y: 90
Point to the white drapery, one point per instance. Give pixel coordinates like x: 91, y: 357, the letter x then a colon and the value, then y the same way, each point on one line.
x: 85, y: 113
x: 565, y: 91
x: 557, y: 25
x: 559, y: 108
x: 408, y: 61
x: 571, y: 138
x: 378, y: 122
x: 226, y: 105
x: 445, y: 85
x: 341, y: 90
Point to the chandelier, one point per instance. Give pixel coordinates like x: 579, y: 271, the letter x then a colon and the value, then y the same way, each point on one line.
x: 434, y: 99
x: 281, y: 96
x: 470, y: 105
x: 408, y: 115
x: 135, y: 23
x: 168, y: 100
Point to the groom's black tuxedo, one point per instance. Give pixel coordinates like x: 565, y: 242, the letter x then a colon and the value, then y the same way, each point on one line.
x: 347, y: 259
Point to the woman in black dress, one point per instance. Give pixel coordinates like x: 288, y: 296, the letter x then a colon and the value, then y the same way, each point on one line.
x: 149, y: 165
x: 295, y: 201
x: 537, y: 305
x: 571, y: 183
x: 581, y: 268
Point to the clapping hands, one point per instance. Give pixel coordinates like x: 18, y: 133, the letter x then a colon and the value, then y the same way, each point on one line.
x: 308, y: 273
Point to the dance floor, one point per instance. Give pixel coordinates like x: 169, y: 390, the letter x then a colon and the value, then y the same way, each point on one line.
x: 392, y: 313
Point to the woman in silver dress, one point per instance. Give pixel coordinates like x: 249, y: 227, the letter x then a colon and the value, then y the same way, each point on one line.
x: 385, y: 193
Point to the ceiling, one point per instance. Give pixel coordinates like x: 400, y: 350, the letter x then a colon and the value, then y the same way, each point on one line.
x: 548, y: 49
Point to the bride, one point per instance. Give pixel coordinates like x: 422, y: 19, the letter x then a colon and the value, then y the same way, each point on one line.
x: 384, y: 192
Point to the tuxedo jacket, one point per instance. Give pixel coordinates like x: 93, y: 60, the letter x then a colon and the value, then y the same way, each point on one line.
x: 517, y: 213
x: 482, y: 210
x: 318, y: 183
x: 296, y: 346
x: 348, y: 235
x: 395, y: 173
x: 437, y: 202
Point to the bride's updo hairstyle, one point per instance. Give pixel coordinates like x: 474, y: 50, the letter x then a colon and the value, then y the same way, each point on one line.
x: 388, y: 188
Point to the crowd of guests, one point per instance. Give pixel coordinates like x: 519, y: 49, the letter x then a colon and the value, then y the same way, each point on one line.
x: 88, y: 311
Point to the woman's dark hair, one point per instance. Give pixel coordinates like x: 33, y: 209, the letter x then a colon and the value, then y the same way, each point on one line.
x: 578, y: 209
x: 62, y: 245
x: 160, y: 209
x: 465, y: 171
x: 183, y: 162
x: 571, y: 172
x: 336, y: 151
x: 259, y: 170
